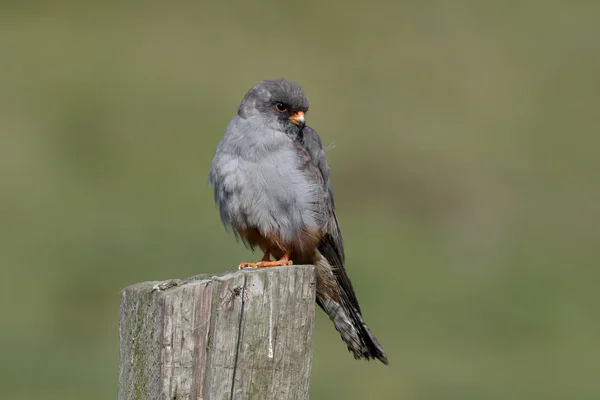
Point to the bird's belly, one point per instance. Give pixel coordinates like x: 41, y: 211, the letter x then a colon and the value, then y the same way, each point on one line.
x: 275, y: 199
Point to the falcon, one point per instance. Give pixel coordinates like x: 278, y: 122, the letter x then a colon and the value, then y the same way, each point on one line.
x: 272, y: 185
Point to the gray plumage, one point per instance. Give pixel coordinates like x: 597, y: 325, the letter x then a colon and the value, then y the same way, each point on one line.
x: 272, y: 185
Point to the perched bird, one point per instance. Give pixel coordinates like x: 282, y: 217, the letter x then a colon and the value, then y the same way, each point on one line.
x: 271, y: 183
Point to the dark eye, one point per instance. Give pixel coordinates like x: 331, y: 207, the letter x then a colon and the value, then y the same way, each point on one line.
x: 281, y: 107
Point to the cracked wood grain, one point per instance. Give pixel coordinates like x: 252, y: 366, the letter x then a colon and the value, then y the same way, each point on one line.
x: 241, y: 335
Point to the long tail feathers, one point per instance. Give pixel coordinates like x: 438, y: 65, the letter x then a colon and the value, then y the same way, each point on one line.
x: 347, y: 318
x: 358, y: 337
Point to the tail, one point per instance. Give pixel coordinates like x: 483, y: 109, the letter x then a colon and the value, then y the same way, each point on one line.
x: 336, y: 297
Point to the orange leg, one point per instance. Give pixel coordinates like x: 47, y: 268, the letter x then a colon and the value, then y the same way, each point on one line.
x: 266, y: 257
x: 285, y: 260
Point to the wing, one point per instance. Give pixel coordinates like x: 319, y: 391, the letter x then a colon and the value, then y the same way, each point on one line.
x: 312, y: 144
x: 331, y: 245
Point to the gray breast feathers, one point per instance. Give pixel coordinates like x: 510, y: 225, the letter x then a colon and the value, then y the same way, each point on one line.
x: 277, y: 191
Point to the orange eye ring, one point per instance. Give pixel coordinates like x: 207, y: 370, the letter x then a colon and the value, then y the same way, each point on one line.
x: 281, y: 107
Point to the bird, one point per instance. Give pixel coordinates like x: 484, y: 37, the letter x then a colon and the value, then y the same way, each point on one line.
x: 272, y: 186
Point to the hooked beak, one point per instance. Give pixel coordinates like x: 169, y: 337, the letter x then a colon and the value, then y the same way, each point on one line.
x: 298, y: 118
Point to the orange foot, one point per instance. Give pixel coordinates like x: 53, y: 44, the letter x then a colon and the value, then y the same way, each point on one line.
x: 285, y: 260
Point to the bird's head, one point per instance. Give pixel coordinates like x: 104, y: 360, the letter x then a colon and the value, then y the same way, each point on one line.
x: 280, y: 103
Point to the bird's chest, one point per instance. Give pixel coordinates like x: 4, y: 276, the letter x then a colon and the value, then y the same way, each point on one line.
x: 275, y: 193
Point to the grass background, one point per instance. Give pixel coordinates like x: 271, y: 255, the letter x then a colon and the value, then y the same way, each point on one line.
x: 465, y: 170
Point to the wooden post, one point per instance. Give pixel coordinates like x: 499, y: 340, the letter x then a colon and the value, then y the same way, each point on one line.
x: 242, y: 335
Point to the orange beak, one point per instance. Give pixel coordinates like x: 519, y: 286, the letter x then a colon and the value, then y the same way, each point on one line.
x: 298, y: 118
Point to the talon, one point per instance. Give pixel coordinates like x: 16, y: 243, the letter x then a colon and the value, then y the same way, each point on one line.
x: 279, y: 263
x: 244, y: 265
x: 283, y: 261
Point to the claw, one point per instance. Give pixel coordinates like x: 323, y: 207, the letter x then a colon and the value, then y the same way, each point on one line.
x: 285, y: 260
x: 244, y: 265
x: 278, y: 263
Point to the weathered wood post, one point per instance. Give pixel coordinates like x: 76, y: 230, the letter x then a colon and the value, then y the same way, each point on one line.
x: 242, y: 335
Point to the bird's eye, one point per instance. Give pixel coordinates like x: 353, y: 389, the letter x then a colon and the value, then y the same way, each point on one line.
x: 281, y: 107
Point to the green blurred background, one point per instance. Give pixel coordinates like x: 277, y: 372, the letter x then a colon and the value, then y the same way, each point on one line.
x: 465, y: 170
